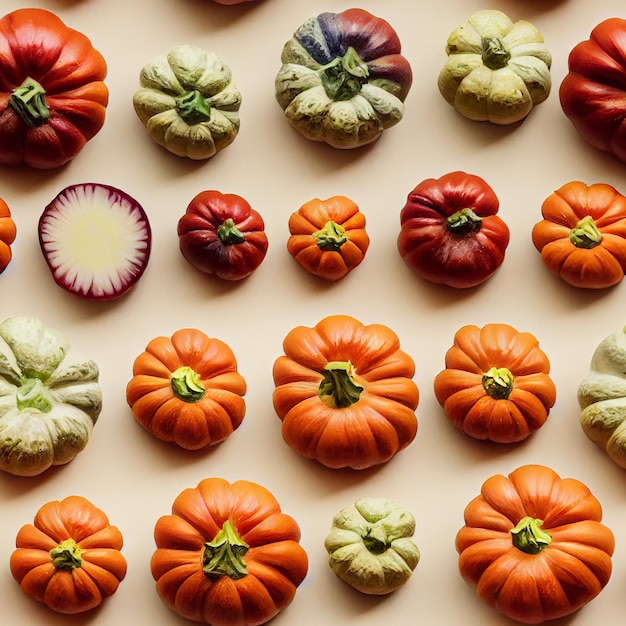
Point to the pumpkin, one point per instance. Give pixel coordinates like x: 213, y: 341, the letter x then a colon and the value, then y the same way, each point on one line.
x: 222, y: 235
x: 593, y: 90
x: 50, y: 397
x: 370, y: 546
x: 227, y: 554
x: 496, y: 384
x: 582, y: 236
x: 345, y: 394
x: 450, y: 233
x: 186, y: 390
x: 534, y: 546
x: 69, y: 558
x: 52, y: 96
x: 8, y: 233
x: 602, y: 397
x: 497, y: 70
x: 328, y: 237
x: 343, y: 79
x: 188, y: 102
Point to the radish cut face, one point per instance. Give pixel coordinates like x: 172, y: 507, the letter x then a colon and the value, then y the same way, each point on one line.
x: 96, y: 240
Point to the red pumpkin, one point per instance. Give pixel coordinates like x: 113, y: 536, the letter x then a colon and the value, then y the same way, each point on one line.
x: 52, y: 95
x: 533, y: 545
x: 227, y: 555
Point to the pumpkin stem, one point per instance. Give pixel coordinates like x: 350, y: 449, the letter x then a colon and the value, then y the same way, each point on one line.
x: 528, y: 536
x: 33, y: 395
x: 67, y: 555
x: 464, y: 222
x: 344, y: 76
x: 186, y: 385
x: 29, y: 102
x: 229, y: 234
x: 495, y: 56
x: 331, y: 237
x: 193, y: 107
x: 585, y: 234
x: 375, y: 545
x: 498, y: 383
x: 224, y: 555
x: 337, y: 389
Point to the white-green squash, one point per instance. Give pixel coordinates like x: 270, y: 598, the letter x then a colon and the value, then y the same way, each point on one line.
x: 602, y: 397
x: 50, y: 398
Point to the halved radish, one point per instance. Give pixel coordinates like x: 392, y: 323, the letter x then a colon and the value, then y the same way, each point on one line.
x: 96, y: 240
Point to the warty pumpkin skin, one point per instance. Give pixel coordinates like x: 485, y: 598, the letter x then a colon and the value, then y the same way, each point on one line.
x: 582, y: 236
x: 534, y: 546
x: 345, y: 393
x: 496, y: 383
x: 70, y: 558
x: 186, y: 390
x: 227, y: 555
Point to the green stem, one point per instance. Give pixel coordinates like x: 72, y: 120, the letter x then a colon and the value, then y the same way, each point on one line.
x: 229, y: 234
x: 186, y: 384
x: 528, y: 536
x: 67, y: 555
x: 495, y: 56
x: 29, y: 102
x: 331, y: 237
x: 464, y: 222
x: 337, y: 389
x: 193, y: 107
x: 374, y: 545
x: 585, y: 234
x: 224, y: 555
x: 498, y: 383
x: 33, y: 394
x: 344, y: 76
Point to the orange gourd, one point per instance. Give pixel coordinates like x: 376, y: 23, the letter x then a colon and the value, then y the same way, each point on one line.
x: 345, y: 393
x: 496, y: 383
x: 8, y: 233
x: 328, y: 237
x: 534, y: 546
x: 186, y: 390
x: 70, y: 558
x: 582, y: 237
x: 227, y: 554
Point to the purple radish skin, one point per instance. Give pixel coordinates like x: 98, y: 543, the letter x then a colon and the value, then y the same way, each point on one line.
x: 96, y: 240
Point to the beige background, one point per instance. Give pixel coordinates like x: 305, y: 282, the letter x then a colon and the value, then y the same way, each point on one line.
x: 134, y: 478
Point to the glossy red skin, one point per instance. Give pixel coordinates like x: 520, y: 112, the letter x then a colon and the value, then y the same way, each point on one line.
x: 593, y: 93
x: 36, y: 43
x: 438, y: 255
x: 201, y: 246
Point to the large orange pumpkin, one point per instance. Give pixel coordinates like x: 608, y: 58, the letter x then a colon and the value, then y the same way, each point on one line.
x: 345, y: 393
x: 227, y: 555
x: 533, y: 545
x: 186, y: 390
x: 496, y: 383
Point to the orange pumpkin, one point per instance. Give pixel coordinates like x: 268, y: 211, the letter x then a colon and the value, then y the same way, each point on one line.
x: 69, y: 559
x: 496, y: 383
x: 227, y: 554
x: 328, y: 237
x: 582, y: 237
x: 8, y: 233
x: 186, y: 390
x: 345, y: 393
x: 533, y: 545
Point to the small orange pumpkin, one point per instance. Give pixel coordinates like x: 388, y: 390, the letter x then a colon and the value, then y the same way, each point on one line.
x: 582, y: 237
x: 8, y: 233
x: 345, y: 393
x: 186, y: 390
x: 328, y: 237
x: 69, y: 559
x: 496, y: 383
